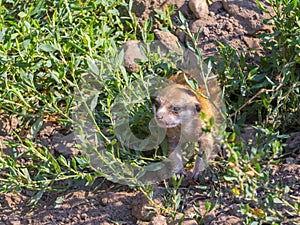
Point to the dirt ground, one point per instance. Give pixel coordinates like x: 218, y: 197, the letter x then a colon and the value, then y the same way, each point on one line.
x: 236, y: 22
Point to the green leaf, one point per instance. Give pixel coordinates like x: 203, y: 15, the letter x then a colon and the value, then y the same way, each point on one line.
x: 36, y: 197
x: 74, y: 164
x: 53, y: 162
x: 260, y: 6
x: 207, y: 206
x: 62, y: 160
x: 22, y: 14
x: 26, y: 174
x: 229, y: 178
x: 48, y: 48
x: 277, y: 200
x: 94, y: 102
x: 93, y: 66
x: 35, y: 128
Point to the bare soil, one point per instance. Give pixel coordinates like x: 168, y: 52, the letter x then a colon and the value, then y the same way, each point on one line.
x: 235, y: 22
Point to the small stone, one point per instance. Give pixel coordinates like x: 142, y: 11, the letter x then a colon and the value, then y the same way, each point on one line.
x: 199, y: 8
x: 240, y: 32
x: 227, y: 220
x: 132, y: 52
x: 161, y: 220
x: 186, y: 221
x: 290, y: 160
x: 180, y: 35
x: 229, y: 27
x: 189, y: 222
x: 13, y: 221
x: 206, y: 31
x: 142, y: 209
x: 197, y: 25
x: 252, y: 42
x: 169, y: 40
x: 216, y: 7
x: 84, y: 216
x: 4, y: 218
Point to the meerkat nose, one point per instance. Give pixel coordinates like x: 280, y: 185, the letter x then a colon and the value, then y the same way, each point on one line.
x: 159, y: 117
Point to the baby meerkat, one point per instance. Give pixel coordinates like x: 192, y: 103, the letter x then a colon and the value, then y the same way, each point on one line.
x: 177, y: 108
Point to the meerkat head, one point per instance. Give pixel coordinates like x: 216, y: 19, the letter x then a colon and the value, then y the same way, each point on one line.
x: 175, y: 105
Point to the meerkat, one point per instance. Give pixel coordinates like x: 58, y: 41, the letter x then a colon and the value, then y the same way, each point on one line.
x: 177, y: 108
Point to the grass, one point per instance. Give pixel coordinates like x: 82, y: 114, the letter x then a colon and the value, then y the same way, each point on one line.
x: 50, y: 51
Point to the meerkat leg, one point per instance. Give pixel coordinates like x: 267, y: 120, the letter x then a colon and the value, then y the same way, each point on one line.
x: 206, y: 145
x: 169, y: 166
x: 176, y: 163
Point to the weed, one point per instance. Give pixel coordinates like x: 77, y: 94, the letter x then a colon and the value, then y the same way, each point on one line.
x: 54, y: 52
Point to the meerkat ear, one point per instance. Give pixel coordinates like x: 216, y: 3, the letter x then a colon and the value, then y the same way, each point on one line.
x: 152, y: 99
x: 198, y: 107
x: 156, y: 102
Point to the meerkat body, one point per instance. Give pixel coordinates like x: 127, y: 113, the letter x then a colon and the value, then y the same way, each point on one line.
x: 177, y: 108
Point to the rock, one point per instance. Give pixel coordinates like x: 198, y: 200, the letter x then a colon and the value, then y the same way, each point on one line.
x: 204, y: 25
x: 145, y: 9
x: 197, y: 25
x: 199, y: 8
x: 216, y: 7
x: 169, y: 40
x: 227, y: 220
x: 229, y: 27
x: 251, y: 42
x: 158, y: 220
x: 248, y: 14
x: 13, y: 221
x: 177, y: 3
x: 132, y: 52
x: 180, y: 35
x: 290, y: 160
x: 142, y: 209
x: 189, y: 222
x: 206, y: 32
x: 293, y: 142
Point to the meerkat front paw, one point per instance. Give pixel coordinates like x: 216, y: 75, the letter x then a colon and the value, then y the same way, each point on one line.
x: 200, y: 166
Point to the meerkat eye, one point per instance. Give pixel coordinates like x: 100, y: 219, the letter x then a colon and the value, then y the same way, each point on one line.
x: 198, y: 107
x: 176, y: 109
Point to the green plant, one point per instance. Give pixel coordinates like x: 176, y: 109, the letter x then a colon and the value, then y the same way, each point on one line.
x: 282, y: 58
x: 45, y: 47
x: 35, y: 168
x: 164, y: 17
x: 174, y: 198
x: 54, y: 52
